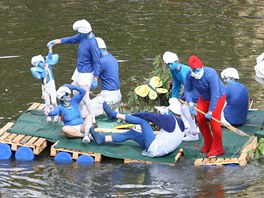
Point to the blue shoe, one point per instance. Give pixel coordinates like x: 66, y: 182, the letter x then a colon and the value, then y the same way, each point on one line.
x: 110, y: 112
x: 98, y: 138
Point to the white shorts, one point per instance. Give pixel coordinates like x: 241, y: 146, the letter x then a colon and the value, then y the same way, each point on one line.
x: 223, y: 120
x: 82, y: 78
x: 164, y: 143
x: 77, y: 127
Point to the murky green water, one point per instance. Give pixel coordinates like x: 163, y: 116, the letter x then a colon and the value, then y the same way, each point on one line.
x: 222, y: 33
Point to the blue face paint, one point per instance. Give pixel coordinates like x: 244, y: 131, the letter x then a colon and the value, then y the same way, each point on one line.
x: 197, y: 70
x: 229, y: 81
x: 175, y: 66
x: 84, y: 35
x: 103, y: 52
x: 41, y: 65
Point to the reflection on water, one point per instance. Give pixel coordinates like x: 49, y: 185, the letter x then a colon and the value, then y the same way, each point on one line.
x: 223, y: 33
x: 45, y: 178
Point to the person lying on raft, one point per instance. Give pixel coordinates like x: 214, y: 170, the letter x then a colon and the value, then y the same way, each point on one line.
x: 74, y: 125
x: 166, y: 141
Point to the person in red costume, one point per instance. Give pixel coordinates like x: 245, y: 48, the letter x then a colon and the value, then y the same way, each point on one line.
x: 211, y: 101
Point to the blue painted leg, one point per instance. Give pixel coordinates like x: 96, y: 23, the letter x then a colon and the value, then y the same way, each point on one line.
x: 110, y: 112
x: 98, y: 138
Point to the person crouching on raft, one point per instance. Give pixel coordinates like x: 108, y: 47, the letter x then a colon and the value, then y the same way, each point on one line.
x: 166, y: 141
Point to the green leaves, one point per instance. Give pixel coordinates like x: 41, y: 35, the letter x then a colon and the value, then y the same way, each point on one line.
x: 136, y: 103
x: 260, y: 148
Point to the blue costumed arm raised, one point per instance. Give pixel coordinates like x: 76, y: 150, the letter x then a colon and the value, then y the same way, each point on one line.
x: 81, y: 91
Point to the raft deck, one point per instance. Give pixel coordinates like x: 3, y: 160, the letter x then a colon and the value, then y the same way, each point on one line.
x: 31, y: 130
x: 15, y: 141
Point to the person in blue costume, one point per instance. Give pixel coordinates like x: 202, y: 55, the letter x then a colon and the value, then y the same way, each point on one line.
x: 68, y: 109
x: 166, y: 141
x: 43, y: 72
x: 88, y: 66
x: 178, y: 72
x: 236, y: 109
x: 211, y: 101
x: 109, y: 79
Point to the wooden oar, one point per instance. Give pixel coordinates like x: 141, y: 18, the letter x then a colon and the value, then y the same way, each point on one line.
x: 230, y: 127
x: 45, y: 82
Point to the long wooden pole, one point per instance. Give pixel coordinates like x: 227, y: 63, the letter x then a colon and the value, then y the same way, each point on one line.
x: 230, y: 127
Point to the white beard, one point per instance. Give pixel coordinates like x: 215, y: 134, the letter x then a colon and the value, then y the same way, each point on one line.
x: 198, y: 75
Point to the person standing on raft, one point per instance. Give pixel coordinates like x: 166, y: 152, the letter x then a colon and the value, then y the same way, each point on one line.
x: 211, y: 101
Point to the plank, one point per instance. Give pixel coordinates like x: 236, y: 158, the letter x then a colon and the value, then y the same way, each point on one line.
x: 39, y: 142
x: 6, y: 127
x: 34, y: 106
x: 179, y: 154
x: 25, y: 139
x: 75, y: 153
x: 4, y: 136
x: 18, y: 138
x: 10, y: 137
x: 31, y: 141
x: 241, y: 160
x: 41, y: 106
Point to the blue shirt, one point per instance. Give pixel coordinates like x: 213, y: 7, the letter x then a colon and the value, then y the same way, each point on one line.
x: 72, y: 115
x: 236, y: 109
x: 210, y: 87
x: 178, y: 80
x: 109, y: 75
x: 88, y: 52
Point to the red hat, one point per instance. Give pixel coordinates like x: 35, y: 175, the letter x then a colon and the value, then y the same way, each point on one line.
x: 195, y: 62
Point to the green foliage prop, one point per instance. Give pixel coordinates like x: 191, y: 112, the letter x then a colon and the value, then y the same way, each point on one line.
x: 260, y: 148
x: 136, y: 103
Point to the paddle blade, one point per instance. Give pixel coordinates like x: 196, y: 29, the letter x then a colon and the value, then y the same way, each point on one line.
x: 241, y: 132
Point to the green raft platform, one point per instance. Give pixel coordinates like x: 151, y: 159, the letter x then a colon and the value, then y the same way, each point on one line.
x: 31, y: 130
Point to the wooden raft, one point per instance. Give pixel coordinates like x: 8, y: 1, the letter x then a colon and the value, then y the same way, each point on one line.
x: 177, y: 156
x: 98, y: 157
x: 75, y: 153
x: 241, y: 160
x: 18, y: 140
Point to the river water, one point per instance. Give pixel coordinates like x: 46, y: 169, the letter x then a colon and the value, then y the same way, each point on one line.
x: 222, y: 33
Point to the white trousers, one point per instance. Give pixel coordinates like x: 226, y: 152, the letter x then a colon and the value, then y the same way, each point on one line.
x: 110, y: 97
x: 49, y: 94
x: 187, y: 115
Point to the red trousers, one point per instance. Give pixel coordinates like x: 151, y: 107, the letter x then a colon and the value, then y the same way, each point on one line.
x: 212, y: 141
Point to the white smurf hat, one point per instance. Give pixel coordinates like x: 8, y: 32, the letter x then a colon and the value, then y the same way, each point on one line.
x: 36, y: 59
x: 230, y: 72
x: 175, y: 106
x: 82, y: 26
x: 62, y: 91
x: 170, y: 57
